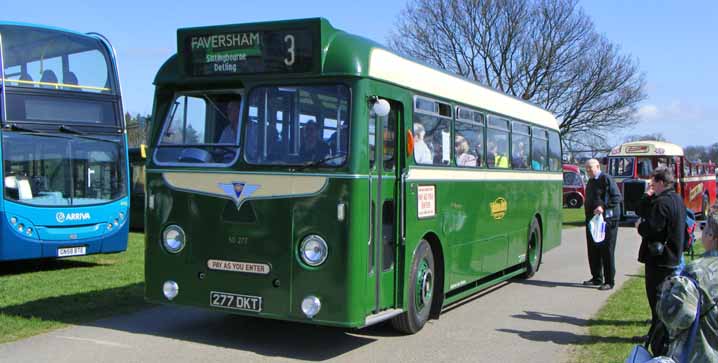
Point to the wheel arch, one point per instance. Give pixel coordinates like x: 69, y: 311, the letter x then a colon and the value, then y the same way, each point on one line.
x: 437, y: 251
x: 537, y: 217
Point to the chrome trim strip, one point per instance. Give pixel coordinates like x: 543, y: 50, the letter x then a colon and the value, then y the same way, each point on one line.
x: 381, y: 316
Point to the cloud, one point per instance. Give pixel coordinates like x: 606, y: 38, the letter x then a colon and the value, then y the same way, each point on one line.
x: 675, y: 110
x: 648, y: 112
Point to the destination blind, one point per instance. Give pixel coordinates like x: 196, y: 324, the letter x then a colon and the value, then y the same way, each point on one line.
x: 242, y: 52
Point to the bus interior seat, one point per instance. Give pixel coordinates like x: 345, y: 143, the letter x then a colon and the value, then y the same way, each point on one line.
x: 48, y: 76
x: 69, y: 78
x: 11, y: 182
x: 23, y: 188
x: 24, y: 76
x: 18, y: 187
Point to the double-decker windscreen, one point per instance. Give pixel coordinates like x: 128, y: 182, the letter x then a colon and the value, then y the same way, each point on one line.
x: 229, y: 52
x: 50, y: 59
x: 62, y: 170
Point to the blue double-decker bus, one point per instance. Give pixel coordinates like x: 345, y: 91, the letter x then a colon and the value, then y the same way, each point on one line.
x: 63, y: 145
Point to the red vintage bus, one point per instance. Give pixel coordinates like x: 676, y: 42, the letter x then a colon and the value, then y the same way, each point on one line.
x: 631, y: 165
x: 574, y: 189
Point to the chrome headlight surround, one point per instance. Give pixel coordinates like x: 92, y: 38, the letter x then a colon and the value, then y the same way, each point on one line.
x: 313, y: 250
x: 173, y: 239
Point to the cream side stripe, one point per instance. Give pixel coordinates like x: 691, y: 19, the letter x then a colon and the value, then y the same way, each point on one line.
x: 393, y: 68
x: 270, y: 186
x: 479, y: 175
x: 698, y: 178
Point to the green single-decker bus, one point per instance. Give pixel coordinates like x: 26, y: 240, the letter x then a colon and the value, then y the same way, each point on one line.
x: 299, y: 172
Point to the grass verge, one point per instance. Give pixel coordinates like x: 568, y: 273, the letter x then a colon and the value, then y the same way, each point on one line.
x: 622, y: 317
x: 37, y: 296
x: 573, y: 217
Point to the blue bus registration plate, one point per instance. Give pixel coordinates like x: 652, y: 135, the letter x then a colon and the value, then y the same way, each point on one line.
x: 235, y: 301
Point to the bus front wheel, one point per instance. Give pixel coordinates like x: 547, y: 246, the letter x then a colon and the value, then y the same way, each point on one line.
x: 421, y: 291
x: 533, y: 250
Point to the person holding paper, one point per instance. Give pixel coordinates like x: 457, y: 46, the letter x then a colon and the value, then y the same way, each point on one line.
x: 602, y: 197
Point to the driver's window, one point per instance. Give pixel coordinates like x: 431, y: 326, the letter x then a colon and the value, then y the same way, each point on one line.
x: 188, y: 125
x: 201, y: 129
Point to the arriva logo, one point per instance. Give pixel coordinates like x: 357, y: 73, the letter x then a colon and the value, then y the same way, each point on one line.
x: 61, y: 217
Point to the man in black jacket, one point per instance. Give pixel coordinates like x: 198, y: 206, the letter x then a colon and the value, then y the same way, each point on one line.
x: 602, y: 197
x: 662, y: 228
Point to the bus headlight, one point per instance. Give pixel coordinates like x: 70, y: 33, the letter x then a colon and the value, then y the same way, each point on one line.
x: 313, y: 250
x: 170, y: 289
x: 311, y: 306
x: 173, y: 239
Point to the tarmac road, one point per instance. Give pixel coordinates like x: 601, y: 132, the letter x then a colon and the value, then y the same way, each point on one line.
x: 537, y: 320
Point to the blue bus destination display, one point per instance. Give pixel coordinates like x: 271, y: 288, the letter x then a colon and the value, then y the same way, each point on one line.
x: 241, y: 52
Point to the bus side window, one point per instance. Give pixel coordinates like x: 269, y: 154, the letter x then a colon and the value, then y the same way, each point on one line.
x: 469, y: 138
x: 389, y: 136
x: 497, y: 140
x: 539, y: 144
x: 554, y: 151
x: 432, y: 132
x: 520, y: 145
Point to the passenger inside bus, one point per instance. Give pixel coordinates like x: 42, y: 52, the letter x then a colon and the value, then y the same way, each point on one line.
x: 520, y: 157
x: 500, y: 157
x: 463, y: 157
x: 422, y: 153
x: 313, y: 148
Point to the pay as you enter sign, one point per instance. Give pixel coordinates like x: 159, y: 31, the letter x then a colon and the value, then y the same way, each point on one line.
x: 426, y: 201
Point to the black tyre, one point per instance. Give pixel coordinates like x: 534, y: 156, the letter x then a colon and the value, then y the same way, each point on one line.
x: 533, y: 250
x: 421, y: 291
x: 574, y: 201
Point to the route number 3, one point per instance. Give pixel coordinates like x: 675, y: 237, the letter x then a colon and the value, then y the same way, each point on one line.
x: 289, y: 39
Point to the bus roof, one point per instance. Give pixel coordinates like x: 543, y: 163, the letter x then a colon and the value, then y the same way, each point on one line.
x: 343, y: 54
x: 647, y: 148
x: 40, y: 26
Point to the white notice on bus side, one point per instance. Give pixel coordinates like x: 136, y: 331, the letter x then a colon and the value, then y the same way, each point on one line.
x: 426, y: 201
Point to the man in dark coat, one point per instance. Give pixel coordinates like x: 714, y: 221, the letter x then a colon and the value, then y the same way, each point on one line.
x: 602, y: 197
x: 662, y: 228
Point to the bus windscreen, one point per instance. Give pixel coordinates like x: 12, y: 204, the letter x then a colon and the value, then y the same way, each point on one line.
x: 51, y: 59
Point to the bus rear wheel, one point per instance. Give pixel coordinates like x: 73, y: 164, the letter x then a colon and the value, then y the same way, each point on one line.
x: 533, y: 250
x: 421, y: 291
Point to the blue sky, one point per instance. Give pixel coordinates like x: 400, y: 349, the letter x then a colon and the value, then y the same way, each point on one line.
x: 674, y: 41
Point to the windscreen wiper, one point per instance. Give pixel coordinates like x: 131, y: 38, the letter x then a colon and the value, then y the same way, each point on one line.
x: 82, y: 135
x: 15, y: 127
x: 70, y: 130
x: 320, y: 162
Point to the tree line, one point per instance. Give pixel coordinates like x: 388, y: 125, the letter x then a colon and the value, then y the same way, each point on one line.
x: 136, y: 129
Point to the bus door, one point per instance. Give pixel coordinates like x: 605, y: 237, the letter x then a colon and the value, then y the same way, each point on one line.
x: 383, y: 246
